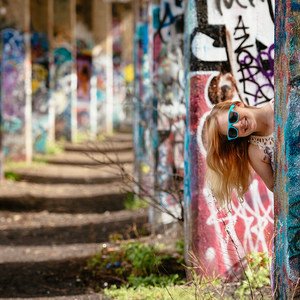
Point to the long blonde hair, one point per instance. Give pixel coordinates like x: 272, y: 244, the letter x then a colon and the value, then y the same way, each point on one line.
x: 228, y: 166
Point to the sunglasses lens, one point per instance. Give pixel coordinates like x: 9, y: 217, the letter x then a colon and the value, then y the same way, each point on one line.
x: 233, y: 117
x: 232, y: 132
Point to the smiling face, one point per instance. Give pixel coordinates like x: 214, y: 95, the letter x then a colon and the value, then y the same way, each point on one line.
x: 246, y: 124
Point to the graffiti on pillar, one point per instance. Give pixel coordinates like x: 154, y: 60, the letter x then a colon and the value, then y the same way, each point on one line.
x: 13, y: 93
x: 231, y: 57
x: 168, y: 80
x: 40, y: 86
x: 119, y: 89
x: 63, y: 62
x: 145, y: 107
x: 84, y: 74
x: 286, y: 256
x: 99, y: 73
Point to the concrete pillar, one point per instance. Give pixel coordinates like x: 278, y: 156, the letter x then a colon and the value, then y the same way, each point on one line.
x: 168, y: 82
x: 65, y: 77
x: 16, y: 81
x: 51, y: 90
x: 84, y: 42
x: 286, y: 253
x: 229, y: 54
x: 143, y: 104
x: 122, y: 32
x: 40, y: 50
x: 103, y: 65
x: 136, y: 92
x: 127, y: 17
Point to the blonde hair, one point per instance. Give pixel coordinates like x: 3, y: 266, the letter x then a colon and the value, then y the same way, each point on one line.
x: 228, y: 166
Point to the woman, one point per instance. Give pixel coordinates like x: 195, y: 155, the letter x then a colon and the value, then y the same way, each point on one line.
x: 239, y: 138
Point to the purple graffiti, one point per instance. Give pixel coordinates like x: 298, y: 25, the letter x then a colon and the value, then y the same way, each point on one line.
x: 256, y: 71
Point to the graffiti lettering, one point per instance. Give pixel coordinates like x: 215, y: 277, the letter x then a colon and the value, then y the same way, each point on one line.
x: 256, y: 72
x: 228, y: 4
x: 171, y: 18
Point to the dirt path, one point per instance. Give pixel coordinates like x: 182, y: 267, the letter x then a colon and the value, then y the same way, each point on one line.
x: 60, y: 214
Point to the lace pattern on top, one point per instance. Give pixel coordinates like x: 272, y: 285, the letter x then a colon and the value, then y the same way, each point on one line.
x: 263, y: 141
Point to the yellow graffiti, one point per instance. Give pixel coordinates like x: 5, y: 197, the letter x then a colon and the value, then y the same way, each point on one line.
x: 39, y: 74
x: 129, y: 73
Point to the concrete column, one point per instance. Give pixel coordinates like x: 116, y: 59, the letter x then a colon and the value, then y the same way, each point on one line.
x: 224, y: 43
x: 122, y: 56
x: 40, y: 50
x: 51, y: 109
x: 136, y: 92
x: 168, y: 83
x: 286, y: 254
x: 65, y: 78
x: 86, y: 104
x: 144, y: 125
x: 16, y: 81
x: 127, y: 18
x: 103, y: 64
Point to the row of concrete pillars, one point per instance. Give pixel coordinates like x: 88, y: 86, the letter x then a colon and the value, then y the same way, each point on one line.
x: 61, y: 71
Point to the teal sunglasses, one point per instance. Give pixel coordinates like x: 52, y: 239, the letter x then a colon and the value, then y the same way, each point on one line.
x: 233, y: 117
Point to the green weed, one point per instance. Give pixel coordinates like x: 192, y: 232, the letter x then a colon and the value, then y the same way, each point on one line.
x: 134, y: 203
x: 137, y: 264
x: 257, y: 273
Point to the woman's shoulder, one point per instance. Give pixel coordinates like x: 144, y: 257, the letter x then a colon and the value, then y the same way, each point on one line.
x: 257, y: 153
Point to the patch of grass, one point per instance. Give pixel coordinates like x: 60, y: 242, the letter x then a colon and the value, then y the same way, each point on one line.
x: 11, y: 175
x: 139, y: 264
x: 10, y: 166
x: 82, y: 137
x: 149, y: 293
x: 52, y: 149
x: 134, y: 203
x: 101, y: 138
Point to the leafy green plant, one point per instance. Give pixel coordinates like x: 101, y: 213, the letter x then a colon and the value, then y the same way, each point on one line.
x: 179, y: 245
x: 144, y: 257
x: 257, y: 273
x: 134, y: 203
x: 116, y: 237
x: 12, y: 175
x: 137, y: 264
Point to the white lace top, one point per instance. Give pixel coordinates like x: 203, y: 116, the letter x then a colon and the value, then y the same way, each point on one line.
x: 265, y: 143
